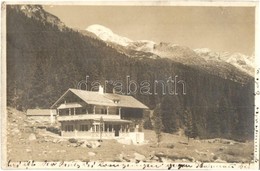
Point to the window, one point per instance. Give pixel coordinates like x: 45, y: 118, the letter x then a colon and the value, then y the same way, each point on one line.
x: 103, y: 111
x: 108, y: 128
x: 116, y: 101
x: 69, y: 128
x: 83, y: 128
x: 84, y: 111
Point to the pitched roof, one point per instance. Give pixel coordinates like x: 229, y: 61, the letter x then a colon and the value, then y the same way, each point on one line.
x: 40, y: 112
x: 106, y: 99
x: 69, y: 105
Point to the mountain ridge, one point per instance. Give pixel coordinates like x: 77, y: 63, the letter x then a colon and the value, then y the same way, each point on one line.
x: 36, y: 11
x: 176, y: 52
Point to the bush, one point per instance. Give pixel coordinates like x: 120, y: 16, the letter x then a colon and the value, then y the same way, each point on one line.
x: 73, y: 140
x: 53, y: 130
x: 170, y: 146
x: 167, y: 145
x: 230, y: 152
x: 147, y: 122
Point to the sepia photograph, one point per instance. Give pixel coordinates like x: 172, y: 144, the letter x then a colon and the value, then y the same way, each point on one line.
x: 129, y: 86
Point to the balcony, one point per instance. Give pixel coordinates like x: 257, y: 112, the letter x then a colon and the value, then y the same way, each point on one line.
x: 86, y: 117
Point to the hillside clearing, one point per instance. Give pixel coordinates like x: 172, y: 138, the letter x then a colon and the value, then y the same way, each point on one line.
x: 25, y: 142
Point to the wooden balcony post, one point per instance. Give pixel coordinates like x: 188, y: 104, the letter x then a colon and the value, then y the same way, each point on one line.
x: 75, y: 129
x: 119, y: 111
x: 107, y: 110
x: 74, y: 111
x: 69, y: 111
x: 94, y: 109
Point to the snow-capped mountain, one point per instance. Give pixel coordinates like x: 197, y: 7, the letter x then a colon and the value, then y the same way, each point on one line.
x: 107, y: 35
x: 213, y: 62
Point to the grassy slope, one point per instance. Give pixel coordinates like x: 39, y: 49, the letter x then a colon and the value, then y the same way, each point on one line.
x: 45, y: 147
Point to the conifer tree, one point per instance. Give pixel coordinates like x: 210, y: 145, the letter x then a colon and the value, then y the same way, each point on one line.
x: 36, y: 95
x: 188, y: 123
x: 158, y: 125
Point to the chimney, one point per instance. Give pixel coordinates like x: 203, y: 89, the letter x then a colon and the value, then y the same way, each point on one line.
x: 100, y: 89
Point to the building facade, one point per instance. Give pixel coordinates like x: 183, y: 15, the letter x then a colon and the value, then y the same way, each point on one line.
x: 95, y: 115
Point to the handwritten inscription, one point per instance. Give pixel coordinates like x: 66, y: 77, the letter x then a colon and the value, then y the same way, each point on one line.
x: 116, y: 165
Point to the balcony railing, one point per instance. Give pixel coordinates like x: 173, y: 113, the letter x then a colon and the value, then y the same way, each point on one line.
x: 86, y: 117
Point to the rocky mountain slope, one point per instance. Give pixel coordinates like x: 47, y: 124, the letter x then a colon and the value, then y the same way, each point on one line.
x: 240, y: 61
x: 37, y: 12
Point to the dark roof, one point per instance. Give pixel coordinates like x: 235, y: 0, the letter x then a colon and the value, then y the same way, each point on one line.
x: 105, y: 99
x: 40, y: 112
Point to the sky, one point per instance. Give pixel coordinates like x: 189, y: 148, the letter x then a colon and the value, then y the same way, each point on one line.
x: 221, y: 29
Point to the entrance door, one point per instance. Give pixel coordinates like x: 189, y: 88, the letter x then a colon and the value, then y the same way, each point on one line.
x: 117, y: 128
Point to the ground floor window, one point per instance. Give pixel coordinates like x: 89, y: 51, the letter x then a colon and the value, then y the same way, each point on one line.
x: 97, y: 128
x: 108, y: 127
x: 69, y: 128
x: 83, y: 128
x: 123, y: 128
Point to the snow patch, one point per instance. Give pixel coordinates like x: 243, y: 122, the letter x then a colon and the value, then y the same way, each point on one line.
x: 106, y: 34
x: 202, y: 50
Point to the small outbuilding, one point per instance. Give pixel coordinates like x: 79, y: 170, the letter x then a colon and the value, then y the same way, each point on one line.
x: 41, y: 115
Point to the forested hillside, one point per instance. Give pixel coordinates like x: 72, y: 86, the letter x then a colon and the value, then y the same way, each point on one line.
x: 45, y: 58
